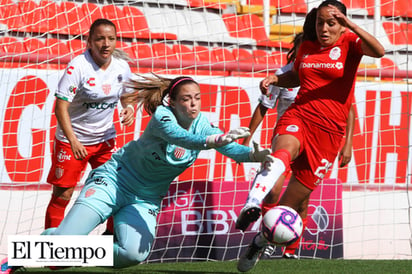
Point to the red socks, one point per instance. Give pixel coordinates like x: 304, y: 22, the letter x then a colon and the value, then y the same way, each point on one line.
x: 55, y: 211
x: 266, y: 207
x: 284, y: 156
x: 109, y: 226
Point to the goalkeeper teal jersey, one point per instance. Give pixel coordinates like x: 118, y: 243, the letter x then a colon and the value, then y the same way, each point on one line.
x: 147, y: 166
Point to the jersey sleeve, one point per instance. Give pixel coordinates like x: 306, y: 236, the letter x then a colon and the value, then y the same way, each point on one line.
x: 165, y: 126
x: 69, y: 82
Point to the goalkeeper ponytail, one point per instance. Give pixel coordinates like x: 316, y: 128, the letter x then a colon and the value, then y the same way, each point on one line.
x: 151, y: 92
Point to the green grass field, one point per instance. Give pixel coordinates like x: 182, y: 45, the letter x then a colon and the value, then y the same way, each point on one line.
x: 264, y: 266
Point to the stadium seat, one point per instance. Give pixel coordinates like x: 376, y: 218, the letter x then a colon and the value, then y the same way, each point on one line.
x: 126, y: 47
x: 255, y: 7
x: 394, y: 32
x: 279, y: 58
x: 116, y: 15
x: 387, y: 63
x: 56, y: 47
x: 292, y: 6
x: 138, y: 23
x: 206, y: 4
x: 235, y: 25
x: 11, y: 16
x: 396, y: 8
x: 78, y: 23
x: 34, y: 19
x: 223, y: 54
x: 255, y: 25
x: 142, y: 50
x: 243, y: 55
x: 263, y: 57
x: 407, y: 30
x: 164, y: 52
x: 36, y: 47
x: 76, y: 46
x: 91, y: 12
x: 56, y: 18
x: 184, y: 53
x: 11, y: 45
x: 204, y: 55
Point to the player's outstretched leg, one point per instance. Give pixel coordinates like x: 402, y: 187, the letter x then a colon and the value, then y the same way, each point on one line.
x: 249, y: 214
x: 250, y: 258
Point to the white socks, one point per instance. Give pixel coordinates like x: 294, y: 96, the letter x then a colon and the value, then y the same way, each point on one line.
x: 264, y: 181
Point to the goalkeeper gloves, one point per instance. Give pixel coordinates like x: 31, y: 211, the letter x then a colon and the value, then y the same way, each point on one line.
x: 219, y: 140
x: 258, y: 154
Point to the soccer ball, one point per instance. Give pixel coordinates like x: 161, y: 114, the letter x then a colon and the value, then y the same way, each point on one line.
x: 282, y: 225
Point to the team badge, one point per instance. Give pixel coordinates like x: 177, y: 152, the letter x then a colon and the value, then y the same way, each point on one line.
x: 335, y: 53
x: 58, y: 172
x: 106, y: 88
x: 292, y: 128
x: 179, y: 152
x: 120, y: 78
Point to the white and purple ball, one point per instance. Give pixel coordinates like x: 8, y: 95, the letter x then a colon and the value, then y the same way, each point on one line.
x: 282, y: 225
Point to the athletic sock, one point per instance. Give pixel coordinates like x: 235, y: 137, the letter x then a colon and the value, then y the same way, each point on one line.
x: 55, y: 211
x: 266, y: 179
x: 266, y: 207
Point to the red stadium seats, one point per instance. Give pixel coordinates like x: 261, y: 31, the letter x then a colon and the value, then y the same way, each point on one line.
x: 91, y: 12
x: 184, y: 53
x: 11, y: 45
x: 142, y: 50
x: 76, y: 46
x: 56, y: 47
x: 292, y: 6
x: 56, y: 19
x: 35, y: 46
x: 203, y: 54
x: 78, y: 23
x: 255, y: 25
x: 138, y: 23
x: 116, y: 15
x: 34, y: 19
x: 407, y: 31
x: 223, y: 55
x: 235, y: 26
x: 394, y: 32
x: 11, y: 16
x: 242, y: 55
x: 126, y: 47
x: 263, y: 57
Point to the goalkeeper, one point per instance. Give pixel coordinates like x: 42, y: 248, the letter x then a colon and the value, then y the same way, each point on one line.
x: 130, y: 186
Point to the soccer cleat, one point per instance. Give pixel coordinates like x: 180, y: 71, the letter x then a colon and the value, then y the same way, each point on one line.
x: 250, y: 258
x: 290, y: 256
x: 6, y: 269
x: 269, y: 250
x: 248, y: 214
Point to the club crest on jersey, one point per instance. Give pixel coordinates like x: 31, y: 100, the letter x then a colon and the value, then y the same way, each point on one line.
x: 119, y: 78
x: 106, y: 88
x: 335, y: 53
x: 58, y: 172
x: 179, y: 152
x: 89, y: 192
x: 292, y: 128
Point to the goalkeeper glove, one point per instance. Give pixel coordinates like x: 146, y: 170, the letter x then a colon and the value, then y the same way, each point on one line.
x: 258, y: 154
x: 219, y: 140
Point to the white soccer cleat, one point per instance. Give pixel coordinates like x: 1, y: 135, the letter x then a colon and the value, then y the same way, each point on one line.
x: 250, y: 258
x: 290, y: 256
x: 249, y: 214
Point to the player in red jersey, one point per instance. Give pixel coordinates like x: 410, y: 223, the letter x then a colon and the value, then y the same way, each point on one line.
x: 311, y: 130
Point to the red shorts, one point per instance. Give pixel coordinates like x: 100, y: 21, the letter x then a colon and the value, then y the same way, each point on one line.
x: 318, y: 149
x: 66, y: 171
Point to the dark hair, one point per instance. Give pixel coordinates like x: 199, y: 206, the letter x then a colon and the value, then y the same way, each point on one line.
x: 152, y: 91
x: 99, y: 22
x: 309, y: 26
x: 335, y: 3
x: 291, y: 56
